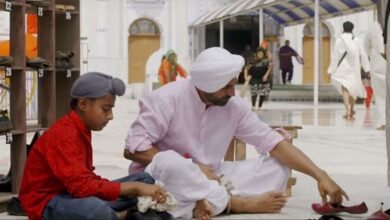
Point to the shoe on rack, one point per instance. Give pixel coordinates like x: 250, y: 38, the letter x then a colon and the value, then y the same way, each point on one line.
x: 60, y: 7
x: 5, y: 122
x: 6, y: 60
x: 63, y: 60
x: 37, y: 62
x: 39, y: 3
x: 328, y: 208
x: 70, y: 8
x: 15, y: 208
x: 6, y: 183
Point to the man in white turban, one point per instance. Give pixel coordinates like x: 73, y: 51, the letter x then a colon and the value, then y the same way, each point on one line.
x: 182, y: 134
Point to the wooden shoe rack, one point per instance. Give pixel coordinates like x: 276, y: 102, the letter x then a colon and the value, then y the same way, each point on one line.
x: 58, y: 29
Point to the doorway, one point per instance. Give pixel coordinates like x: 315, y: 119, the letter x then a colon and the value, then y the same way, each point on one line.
x: 308, y: 55
x: 143, y: 40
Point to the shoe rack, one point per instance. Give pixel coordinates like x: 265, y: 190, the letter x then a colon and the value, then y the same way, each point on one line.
x: 58, y: 29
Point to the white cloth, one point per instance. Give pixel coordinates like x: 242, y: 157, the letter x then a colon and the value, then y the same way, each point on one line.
x: 375, y: 47
x: 188, y: 184
x: 214, y: 68
x: 146, y: 202
x: 348, y: 74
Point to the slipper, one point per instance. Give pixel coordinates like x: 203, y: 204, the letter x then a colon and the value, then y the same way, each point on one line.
x: 328, y: 208
x: 380, y: 214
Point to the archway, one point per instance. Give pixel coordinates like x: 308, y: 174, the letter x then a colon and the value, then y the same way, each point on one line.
x: 143, y: 40
x: 308, y: 54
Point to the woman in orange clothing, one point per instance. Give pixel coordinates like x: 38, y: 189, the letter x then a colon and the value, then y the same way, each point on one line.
x: 169, y: 68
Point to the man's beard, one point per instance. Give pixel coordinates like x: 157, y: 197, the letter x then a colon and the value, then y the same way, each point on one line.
x: 219, y: 102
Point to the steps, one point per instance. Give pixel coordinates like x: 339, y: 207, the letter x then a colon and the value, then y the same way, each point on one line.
x: 326, y: 93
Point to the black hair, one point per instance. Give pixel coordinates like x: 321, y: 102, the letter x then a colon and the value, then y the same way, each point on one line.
x: 348, y: 27
x: 264, y: 50
x: 74, y: 101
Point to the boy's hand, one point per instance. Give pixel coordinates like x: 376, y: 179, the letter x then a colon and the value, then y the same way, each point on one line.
x: 156, y: 192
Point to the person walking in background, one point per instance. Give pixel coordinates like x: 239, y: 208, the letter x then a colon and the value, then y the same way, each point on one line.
x: 258, y: 76
x: 347, y: 58
x: 265, y: 45
x: 286, y: 64
x: 376, y: 49
x: 170, y: 68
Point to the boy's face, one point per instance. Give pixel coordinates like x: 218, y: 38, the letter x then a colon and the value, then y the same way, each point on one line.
x: 96, y: 113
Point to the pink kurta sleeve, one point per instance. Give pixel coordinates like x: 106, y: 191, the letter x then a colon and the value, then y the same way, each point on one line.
x: 151, y: 124
x: 255, y: 132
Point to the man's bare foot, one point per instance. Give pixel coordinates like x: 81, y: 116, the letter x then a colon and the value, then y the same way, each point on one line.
x: 203, y: 210
x: 269, y: 202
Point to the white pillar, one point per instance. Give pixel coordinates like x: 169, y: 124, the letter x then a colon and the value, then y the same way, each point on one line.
x: 261, y: 25
x: 221, y: 33
x: 316, y: 49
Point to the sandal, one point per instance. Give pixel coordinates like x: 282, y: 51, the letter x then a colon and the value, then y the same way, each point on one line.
x: 328, y: 208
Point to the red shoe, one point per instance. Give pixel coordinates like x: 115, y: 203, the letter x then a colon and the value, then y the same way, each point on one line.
x: 380, y: 215
x: 327, y: 208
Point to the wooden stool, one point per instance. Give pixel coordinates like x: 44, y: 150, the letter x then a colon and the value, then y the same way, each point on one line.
x: 237, y: 149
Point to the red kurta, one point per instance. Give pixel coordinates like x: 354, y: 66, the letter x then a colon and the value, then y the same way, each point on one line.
x: 61, y: 161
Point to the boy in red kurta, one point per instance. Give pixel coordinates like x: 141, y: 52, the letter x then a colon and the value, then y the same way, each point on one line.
x: 58, y: 180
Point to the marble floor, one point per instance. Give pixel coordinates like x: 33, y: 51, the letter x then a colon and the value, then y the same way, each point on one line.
x: 352, y: 152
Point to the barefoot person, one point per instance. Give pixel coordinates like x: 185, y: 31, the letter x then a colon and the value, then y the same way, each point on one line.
x: 182, y: 134
x: 58, y: 180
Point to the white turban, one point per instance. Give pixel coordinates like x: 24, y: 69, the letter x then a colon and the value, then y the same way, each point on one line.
x: 214, y: 68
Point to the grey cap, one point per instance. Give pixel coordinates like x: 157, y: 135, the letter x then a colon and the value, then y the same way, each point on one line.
x: 96, y: 85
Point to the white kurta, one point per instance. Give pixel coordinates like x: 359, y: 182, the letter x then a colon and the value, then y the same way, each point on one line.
x: 348, y: 74
x: 375, y: 46
x: 175, y: 118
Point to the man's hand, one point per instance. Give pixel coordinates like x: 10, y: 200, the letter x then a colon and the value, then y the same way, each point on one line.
x: 327, y: 187
x: 208, y: 172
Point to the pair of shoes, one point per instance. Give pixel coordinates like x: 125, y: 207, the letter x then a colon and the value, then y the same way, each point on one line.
x: 61, y: 7
x: 328, y: 208
x: 63, y: 60
x: 134, y: 214
x: 39, y: 3
x: 6, y: 60
x: 5, y: 123
x: 15, y: 208
x: 380, y: 214
x: 37, y: 62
